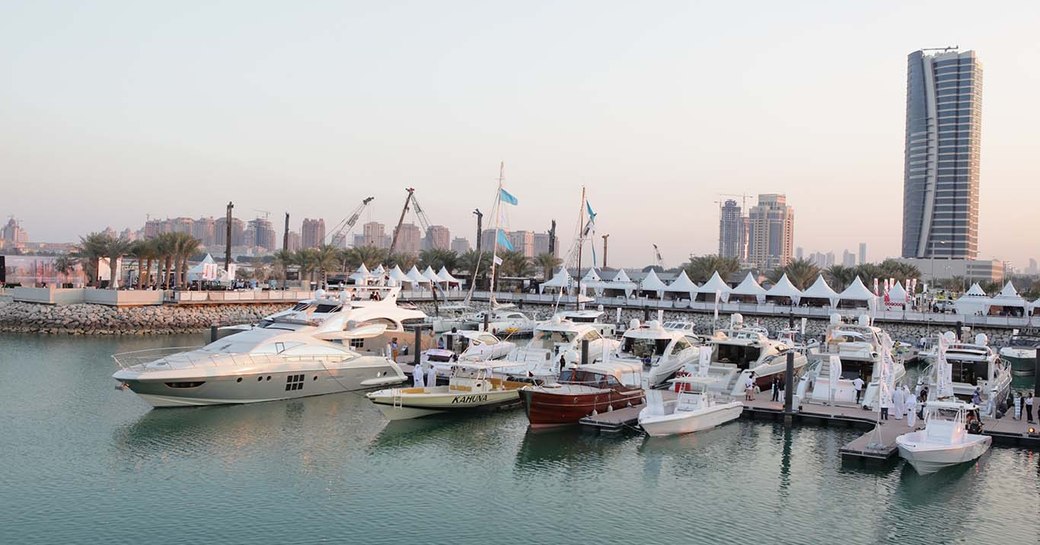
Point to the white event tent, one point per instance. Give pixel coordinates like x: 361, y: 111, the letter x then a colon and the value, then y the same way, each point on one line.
x: 361, y: 275
x: 620, y: 283
x: 974, y: 301
x: 682, y: 284
x: 447, y: 277
x: 711, y: 287
x: 749, y: 288
x: 784, y: 289
x: 653, y: 284
x: 857, y: 296
x: 561, y: 281
x: 820, y: 294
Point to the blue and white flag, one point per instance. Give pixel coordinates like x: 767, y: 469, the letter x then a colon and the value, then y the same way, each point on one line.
x: 592, y: 215
x: 503, y: 241
x: 507, y: 197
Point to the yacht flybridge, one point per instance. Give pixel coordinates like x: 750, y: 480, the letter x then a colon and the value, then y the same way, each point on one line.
x: 850, y: 351
x: 740, y: 352
x: 321, y: 346
x: 662, y: 352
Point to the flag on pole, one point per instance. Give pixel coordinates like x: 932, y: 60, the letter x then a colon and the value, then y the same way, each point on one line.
x: 503, y: 241
x: 498, y: 260
x: 592, y: 215
x: 507, y: 197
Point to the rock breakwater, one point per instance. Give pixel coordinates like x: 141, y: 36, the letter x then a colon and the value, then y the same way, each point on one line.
x: 86, y: 319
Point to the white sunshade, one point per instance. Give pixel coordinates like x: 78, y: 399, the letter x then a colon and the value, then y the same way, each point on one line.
x: 897, y: 295
x: 682, y: 284
x: 397, y: 275
x: 784, y: 288
x: 749, y: 286
x: 975, y: 291
x: 857, y: 291
x: 415, y: 277
x: 432, y: 275
x: 361, y: 274
x: 559, y: 280
x: 443, y: 273
x: 1009, y: 297
x: 653, y: 283
x: 821, y: 290
x: 715, y: 284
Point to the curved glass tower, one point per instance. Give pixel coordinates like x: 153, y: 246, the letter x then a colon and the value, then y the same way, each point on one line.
x: 941, y: 176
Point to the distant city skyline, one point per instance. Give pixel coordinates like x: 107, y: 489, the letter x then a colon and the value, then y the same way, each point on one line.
x: 126, y: 110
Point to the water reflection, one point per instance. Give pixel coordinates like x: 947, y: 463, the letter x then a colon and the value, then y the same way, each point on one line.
x: 564, y: 448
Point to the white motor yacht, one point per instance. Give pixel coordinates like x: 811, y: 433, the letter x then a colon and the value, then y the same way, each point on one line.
x: 858, y: 348
x: 975, y: 365
x: 329, y: 346
x: 502, y: 320
x: 1020, y: 353
x: 471, y: 386
x: 694, y: 409
x: 944, y: 441
x: 556, y: 344
x: 740, y: 352
x: 467, y: 346
x: 661, y: 351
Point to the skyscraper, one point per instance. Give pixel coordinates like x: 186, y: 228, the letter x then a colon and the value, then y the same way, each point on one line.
x: 374, y: 234
x: 408, y: 239
x: 732, y: 231
x: 941, y: 165
x: 459, y: 245
x: 312, y: 234
x: 770, y: 232
x: 438, y: 237
x: 862, y: 253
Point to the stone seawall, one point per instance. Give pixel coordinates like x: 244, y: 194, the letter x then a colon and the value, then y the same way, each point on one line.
x: 907, y: 332
x: 85, y: 319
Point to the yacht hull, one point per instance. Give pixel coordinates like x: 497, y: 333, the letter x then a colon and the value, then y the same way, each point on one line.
x: 197, y: 390
x: 546, y: 410
x: 1022, y: 362
x: 407, y: 403
x: 928, y: 458
x: 678, y: 423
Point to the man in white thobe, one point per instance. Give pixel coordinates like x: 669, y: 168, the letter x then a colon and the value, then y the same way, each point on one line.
x: 911, y: 411
x: 897, y: 402
x: 417, y: 376
x: 431, y: 375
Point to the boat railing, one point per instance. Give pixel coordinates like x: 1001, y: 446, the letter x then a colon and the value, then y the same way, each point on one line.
x: 188, y: 355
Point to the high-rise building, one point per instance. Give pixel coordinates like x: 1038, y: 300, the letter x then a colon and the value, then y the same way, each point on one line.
x: 237, y: 232
x: 373, y: 234
x: 941, y: 164
x: 770, y: 232
x: 438, y: 237
x: 459, y: 245
x: 312, y: 234
x: 733, y: 236
x: 205, y: 229
x: 848, y: 259
x: 295, y: 242
x: 862, y: 253
x: 264, y: 235
x: 799, y: 253
x: 408, y: 239
x: 13, y: 235
x: 339, y: 240
x: 523, y: 242
x: 541, y: 245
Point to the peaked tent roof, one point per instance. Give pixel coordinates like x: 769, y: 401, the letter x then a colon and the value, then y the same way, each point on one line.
x: 432, y: 275
x: 379, y: 269
x: 897, y: 294
x: 681, y: 284
x: 398, y: 275
x: 975, y: 291
x: 1009, y: 297
x: 443, y: 273
x: 748, y: 286
x: 416, y: 277
x: 857, y: 291
x: 561, y: 279
x: 714, y: 284
x: 591, y: 277
x: 1008, y: 291
x: 360, y: 274
x: 784, y: 288
x: 821, y: 290
x: 652, y: 283
x: 621, y: 276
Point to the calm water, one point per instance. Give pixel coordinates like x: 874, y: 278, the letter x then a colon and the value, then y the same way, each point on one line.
x: 85, y: 463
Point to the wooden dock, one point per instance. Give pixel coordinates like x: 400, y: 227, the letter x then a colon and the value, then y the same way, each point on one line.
x: 613, y: 421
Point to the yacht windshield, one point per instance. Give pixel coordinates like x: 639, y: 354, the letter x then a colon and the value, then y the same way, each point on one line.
x: 577, y: 376
x: 644, y: 348
x: 1027, y: 342
x: 547, y: 340
x: 737, y: 354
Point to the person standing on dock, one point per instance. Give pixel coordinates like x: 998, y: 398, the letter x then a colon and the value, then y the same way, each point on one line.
x: 417, y: 376
x: 911, y: 411
x: 1018, y: 406
x: 897, y: 402
x: 858, y: 385
x: 1029, y: 407
x: 394, y: 348
x: 749, y: 387
x: 776, y: 387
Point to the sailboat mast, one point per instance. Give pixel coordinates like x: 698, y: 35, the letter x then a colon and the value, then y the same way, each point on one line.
x: 496, y: 212
x: 581, y: 243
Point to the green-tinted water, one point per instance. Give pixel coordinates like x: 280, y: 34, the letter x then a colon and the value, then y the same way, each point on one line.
x: 84, y: 463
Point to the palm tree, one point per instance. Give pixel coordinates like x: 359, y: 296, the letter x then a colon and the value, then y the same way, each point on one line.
x: 185, y: 246
x: 437, y: 258
x: 476, y: 264
x: 840, y: 277
x: 801, y: 272
x: 307, y: 259
x: 283, y: 259
x: 548, y: 263
x: 405, y: 261
x: 146, y: 251
x: 165, y: 247
x: 369, y: 255
x: 515, y: 264
x: 91, y: 249
x: 700, y: 268
x: 327, y: 258
x: 64, y: 265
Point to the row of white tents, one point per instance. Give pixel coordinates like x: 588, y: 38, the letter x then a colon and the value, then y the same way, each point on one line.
x: 413, y: 279
x: 749, y: 290
x: 975, y: 301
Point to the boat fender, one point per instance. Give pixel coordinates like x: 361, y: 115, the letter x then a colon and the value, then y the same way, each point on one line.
x: 610, y: 408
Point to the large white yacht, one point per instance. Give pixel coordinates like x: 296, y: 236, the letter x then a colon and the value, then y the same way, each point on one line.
x: 556, y: 344
x: 975, y: 365
x: 322, y: 346
x: 661, y: 351
x: 740, y: 352
x: 858, y: 348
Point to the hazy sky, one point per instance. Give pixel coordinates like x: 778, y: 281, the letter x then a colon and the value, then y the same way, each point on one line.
x: 113, y: 110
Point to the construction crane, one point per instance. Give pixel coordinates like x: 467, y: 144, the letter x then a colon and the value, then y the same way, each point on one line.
x: 409, y: 201
x: 657, y: 257
x: 345, y: 226
x: 743, y: 200
x: 943, y: 49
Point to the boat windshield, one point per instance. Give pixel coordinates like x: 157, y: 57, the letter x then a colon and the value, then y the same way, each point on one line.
x: 969, y: 372
x: 738, y: 354
x: 1027, y: 342
x: 578, y: 376
x: 547, y: 340
x: 644, y: 348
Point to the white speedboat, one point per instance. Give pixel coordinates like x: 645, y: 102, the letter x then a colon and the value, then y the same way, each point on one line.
x: 472, y: 386
x: 695, y: 409
x: 858, y: 348
x: 661, y: 351
x: 329, y: 346
x: 944, y: 441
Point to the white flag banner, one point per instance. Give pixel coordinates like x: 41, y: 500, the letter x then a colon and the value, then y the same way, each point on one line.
x: 498, y: 260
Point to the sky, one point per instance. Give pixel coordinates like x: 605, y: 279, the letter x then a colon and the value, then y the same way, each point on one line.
x: 111, y: 111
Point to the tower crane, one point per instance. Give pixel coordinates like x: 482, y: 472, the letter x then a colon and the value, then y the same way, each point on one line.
x: 657, y: 257
x: 345, y: 226
x: 409, y: 201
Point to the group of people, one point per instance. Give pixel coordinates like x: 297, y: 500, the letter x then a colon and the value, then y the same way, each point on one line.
x: 903, y: 403
x: 1022, y: 403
